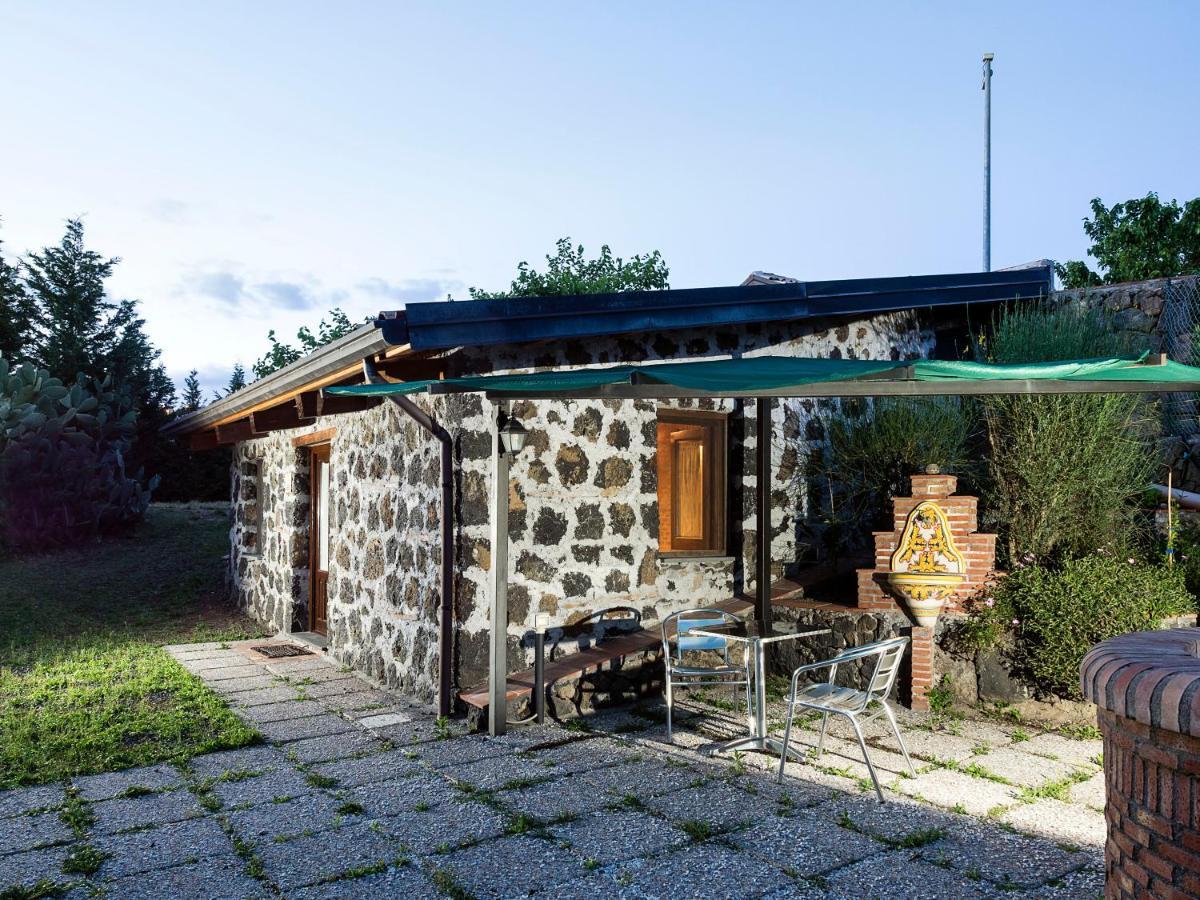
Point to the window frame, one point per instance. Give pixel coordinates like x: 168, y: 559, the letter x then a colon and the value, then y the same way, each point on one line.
x: 253, y: 526
x: 716, y: 490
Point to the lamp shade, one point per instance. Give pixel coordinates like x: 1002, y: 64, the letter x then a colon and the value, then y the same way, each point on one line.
x: 512, y: 436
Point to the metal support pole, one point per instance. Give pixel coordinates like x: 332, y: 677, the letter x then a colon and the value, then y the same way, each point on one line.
x: 539, y: 677
x: 498, y: 638
x: 762, y: 562
x: 987, y: 161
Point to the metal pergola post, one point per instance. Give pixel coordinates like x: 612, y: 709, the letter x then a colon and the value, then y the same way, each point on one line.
x: 762, y: 556
x: 498, y: 638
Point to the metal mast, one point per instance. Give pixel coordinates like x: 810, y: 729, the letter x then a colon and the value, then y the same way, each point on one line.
x: 987, y: 161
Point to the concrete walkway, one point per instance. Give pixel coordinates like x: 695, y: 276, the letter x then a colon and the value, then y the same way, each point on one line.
x: 357, y: 793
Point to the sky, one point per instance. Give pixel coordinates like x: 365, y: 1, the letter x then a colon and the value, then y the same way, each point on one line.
x: 254, y: 164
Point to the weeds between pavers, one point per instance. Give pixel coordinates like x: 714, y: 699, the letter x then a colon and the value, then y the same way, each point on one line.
x: 85, y: 860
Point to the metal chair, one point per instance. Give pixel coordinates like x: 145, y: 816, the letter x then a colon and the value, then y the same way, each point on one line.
x: 680, y: 674
x: 827, y: 697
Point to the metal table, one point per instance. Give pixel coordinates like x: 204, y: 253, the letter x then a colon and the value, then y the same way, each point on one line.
x: 757, y: 739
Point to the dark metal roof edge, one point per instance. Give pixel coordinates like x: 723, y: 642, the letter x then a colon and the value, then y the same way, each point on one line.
x: 509, y: 320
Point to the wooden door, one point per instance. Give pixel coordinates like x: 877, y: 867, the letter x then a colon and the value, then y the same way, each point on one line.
x: 318, y: 535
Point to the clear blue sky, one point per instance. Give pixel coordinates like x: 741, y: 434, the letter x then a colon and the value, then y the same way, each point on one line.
x: 257, y: 163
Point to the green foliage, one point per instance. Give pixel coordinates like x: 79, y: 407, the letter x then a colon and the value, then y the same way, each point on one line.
x: 193, y: 397
x: 1050, y: 616
x: 875, y: 446
x: 1065, y: 472
x: 62, y: 460
x: 281, y: 354
x: 16, y: 311
x: 941, y: 696
x: 237, y: 379
x: 569, y: 272
x: 1138, y: 239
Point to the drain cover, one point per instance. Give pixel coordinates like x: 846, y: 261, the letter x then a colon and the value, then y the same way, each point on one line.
x: 278, y: 651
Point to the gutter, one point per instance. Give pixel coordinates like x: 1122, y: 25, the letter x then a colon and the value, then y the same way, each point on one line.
x: 446, y: 608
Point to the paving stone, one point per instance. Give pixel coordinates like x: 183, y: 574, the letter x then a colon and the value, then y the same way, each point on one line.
x: 19, y: 833
x: 307, y: 860
x: 528, y: 736
x: 263, y: 788
x: 500, y: 772
x: 263, y: 823
x: 587, y: 754
x: 609, y: 836
x: 400, y: 795
x: 1003, y: 857
x: 333, y: 746
x: 185, y: 648
x: 1081, y: 753
x: 596, y: 886
x: 718, y: 804
x: 214, y: 653
x: 359, y: 701
x: 280, y: 712
x: 19, y: 801
x: 248, y: 759
x: 1065, y: 823
x: 1084, y: 884
x: 790, y: 796
x: 500, y: 868
x: 807, y: 844
x: 217, y: 674
x: 158, y: 848
x: 211, y: 667
x: 461, y: 750
x: 340, y: 687
x: 263, y: 695
x: 741, y: 875
x: 231, y: 688
x: 110, y: 784
x: 417, y: 731
x: 557, y: 798
x: 1090, y: 793
x: 27, y: 869
x: 645, y: 778
x: 443, y: 827
x: 299, y: 666
x: 898, y: 875
x: 383, y: 720
x: 308, y: 727
x: 368, y: 769
x: 122, y: 814
x: 951, y: 790
x: 1025, y: 769
x: 897, y: 820
x: 217, y: 878
x: 928, y: 745
x: 397, y: 881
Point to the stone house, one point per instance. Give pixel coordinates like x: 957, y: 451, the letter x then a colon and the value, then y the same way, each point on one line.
x: 363, y: 525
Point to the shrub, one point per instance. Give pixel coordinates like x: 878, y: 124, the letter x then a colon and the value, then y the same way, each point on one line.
x: 875, y: 446
x: 1065, y: 472
x: 62, y: 460
x: 1054, y: 614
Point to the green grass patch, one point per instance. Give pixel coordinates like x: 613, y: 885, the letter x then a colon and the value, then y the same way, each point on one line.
x: 1053, y: 790
x: 84, y: 860
x: 85, y: 686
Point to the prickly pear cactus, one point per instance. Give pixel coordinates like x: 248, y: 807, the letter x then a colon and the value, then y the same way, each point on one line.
x: 62, y: 459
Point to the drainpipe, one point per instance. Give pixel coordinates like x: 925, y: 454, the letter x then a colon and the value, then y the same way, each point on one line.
x: 446, y: 611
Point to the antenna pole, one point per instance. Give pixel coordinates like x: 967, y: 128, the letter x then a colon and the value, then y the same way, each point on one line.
x: 987, y: 161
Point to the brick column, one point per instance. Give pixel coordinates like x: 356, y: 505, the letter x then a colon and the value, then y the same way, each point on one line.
x: 922, y: 666
x: 1147, y: 688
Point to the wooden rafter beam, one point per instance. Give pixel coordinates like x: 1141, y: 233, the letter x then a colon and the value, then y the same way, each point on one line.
x: 286, y: 415
x: 232, y: 432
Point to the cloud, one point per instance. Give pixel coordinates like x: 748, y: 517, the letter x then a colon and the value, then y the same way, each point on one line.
x: 286, y: 294
x: 219, y: 285
x: 411, y: 290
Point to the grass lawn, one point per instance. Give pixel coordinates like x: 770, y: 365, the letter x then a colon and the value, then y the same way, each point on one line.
x: 85, y: 685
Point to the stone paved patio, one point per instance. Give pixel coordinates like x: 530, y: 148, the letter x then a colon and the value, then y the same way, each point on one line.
x: 358, y: 793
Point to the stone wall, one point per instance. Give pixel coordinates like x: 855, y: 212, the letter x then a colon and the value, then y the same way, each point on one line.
x: 584, y: 506
x: 385, y: 548
x: 583, y: 525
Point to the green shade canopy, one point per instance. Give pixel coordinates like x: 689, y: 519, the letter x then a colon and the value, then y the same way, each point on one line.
x: 786, y: 376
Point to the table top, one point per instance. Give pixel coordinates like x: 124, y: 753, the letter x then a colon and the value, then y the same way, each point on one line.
x: 758, y: 638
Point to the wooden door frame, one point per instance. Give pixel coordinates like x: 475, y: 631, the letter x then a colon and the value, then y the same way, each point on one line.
x: 316, y: 453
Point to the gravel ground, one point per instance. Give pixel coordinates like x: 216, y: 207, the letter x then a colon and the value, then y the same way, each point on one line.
x: 333, y: 807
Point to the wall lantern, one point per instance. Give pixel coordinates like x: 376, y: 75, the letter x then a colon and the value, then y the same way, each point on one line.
x: 512, y: 436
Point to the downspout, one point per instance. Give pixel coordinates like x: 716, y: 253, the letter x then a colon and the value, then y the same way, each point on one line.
x: 446, y: 611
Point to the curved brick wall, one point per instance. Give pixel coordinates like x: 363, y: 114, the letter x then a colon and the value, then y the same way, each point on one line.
x: 1147, y: 688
